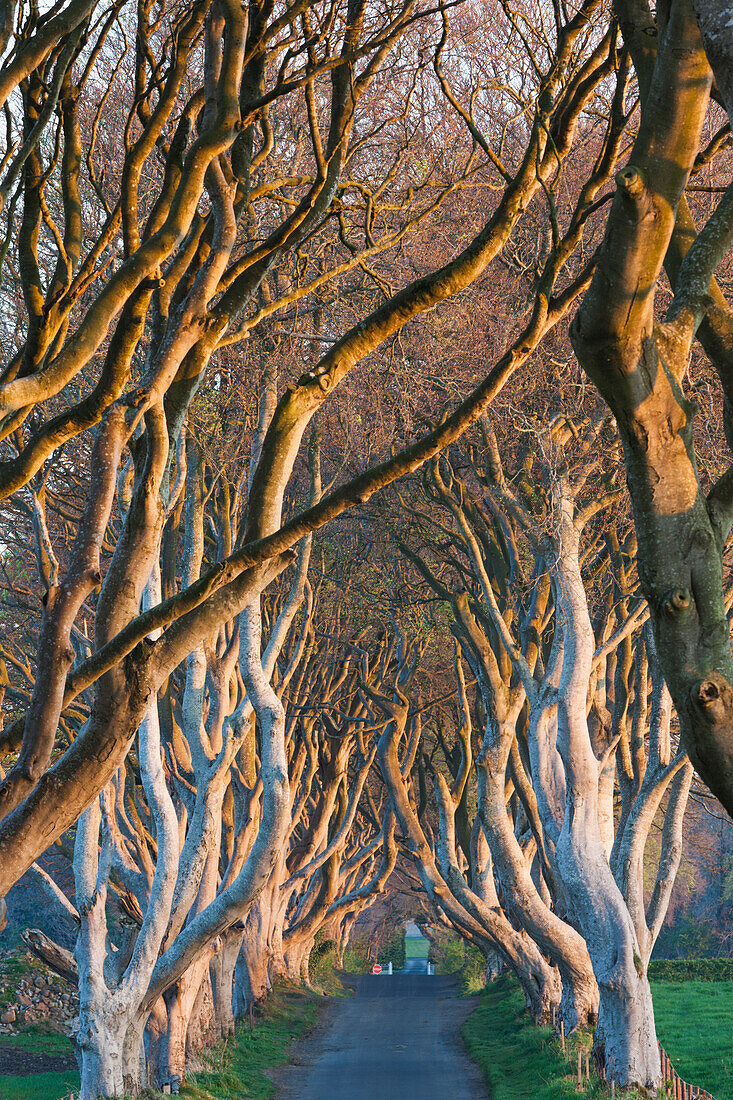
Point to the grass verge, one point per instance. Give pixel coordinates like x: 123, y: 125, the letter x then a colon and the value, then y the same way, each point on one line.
x: 519, y: 1059
x: 236, y: 1068
x: 695, y: 1026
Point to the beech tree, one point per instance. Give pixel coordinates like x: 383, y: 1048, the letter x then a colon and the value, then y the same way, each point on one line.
x: 212, y: 217
x: 338, y: 853
x: 119, y: 344
x: 170, y: 841
x: 504, y: 699
x: 475, y: 911
x: 638, y: 359
x: 568, y: 717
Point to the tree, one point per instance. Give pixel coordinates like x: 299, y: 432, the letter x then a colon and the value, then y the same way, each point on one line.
x: 564, y: 715
x: 639, y: 365
x: 160, y: 854
x: 198, y: 226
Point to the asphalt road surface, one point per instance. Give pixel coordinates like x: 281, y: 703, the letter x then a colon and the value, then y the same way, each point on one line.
x: 414, y: 966
x: 397, y: 1039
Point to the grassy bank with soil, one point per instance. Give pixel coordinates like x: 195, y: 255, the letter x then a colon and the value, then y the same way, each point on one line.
x: 232, y: 1070
x: 519, y: 1060
x: 37, y: 1064
x: 239, y: 1067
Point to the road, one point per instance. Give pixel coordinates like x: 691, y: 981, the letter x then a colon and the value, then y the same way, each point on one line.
x: 414, y: 966
x: 398, y: 1037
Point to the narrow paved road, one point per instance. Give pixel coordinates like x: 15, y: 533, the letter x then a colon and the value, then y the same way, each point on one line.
x: 397, y: 1039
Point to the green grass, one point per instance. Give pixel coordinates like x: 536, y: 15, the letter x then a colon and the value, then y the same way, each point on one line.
x: 235, y: 1069
x: 416, y: 948
x: 520, y: 1060
x: 38, y: 1086
x: 695, y: 1027
x: 38, y: 1040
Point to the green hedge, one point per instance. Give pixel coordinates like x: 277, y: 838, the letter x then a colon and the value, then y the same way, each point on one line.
x: 691, y: 970
x: 359, y: 955
x: 453, y: 955
x: 393, y: 951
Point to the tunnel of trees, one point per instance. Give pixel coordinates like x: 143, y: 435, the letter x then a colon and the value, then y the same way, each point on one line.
x: 366, y: 405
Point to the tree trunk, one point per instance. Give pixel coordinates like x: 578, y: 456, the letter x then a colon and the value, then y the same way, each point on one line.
x: 558, y: 940
x: 102, y: 1061
x: 277, y: 967
x: 606, y: 788
x: 250, y: 972
x: 135, y: 1075
x: 110, y: 1048
x: 625, y: 1039
x: 296, y: 962
x: 221, y: 970
x: 202, y: 1023
x: 494, y: 965
x: 154, y: 1035
x: 343, y: 939
x: 180, y: 1002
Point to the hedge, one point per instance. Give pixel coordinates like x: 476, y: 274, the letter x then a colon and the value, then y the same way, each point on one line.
x: 691, y: 970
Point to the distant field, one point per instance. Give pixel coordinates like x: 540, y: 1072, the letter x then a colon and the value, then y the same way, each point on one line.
x: 416, y: 948
x: 695, y: 1027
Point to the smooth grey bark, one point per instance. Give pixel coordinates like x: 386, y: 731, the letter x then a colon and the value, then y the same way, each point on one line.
x: 625, y: 1037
